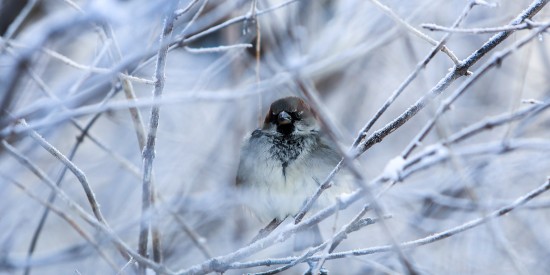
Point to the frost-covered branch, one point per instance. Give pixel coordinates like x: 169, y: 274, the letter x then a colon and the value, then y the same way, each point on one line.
x: 149, y: 149
x: 410, y: 244
x: 527, y: 25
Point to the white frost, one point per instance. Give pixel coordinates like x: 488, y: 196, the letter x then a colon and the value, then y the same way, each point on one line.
x: 393, y: 168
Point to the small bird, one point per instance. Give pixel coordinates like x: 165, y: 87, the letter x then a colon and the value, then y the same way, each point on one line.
x: 284, y: 162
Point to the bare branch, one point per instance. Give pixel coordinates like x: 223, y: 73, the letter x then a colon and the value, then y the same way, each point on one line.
x: 218, y: 48
x: 14, y: 26
x: 149, y: 149
x: 180, y: 12
x: 420, y: 104
x: 69, y: 220
x: 445, y: 82
x: 61, y: 68
x: 104, y: 228
x: 493, y: 122
x: 74, y: 169
x: 416, y: 243
x: 527, y: 25
x: 416, y: 32
x: 420, y: 66
x: 497, y: 59
x: 232, y: 21
x: 438, y: 154
x: 69, y: 62
x: 195, y: 237
x: 355, y: 225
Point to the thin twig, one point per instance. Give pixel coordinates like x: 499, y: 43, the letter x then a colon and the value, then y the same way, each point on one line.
x: 149, y: 149
x: 79, y: 174
x: 421, y: 65
x: 13, y: 76
x: 74, y: 169
x: 182, y: 40
x: 140, y: 133
x: 69, y: 220
x: 175, y: 43
x: 180, y: 12
x: 84, y: 132
x: 355, y: 225
x: 363, y: 132
x: 444, y: 83
x: 412, y: 29
x: 221, y: 263
x: 234, y: 20
x: 106, y: 31
x: 15, y: 24
x: 147, y: 54
x: 438, y: 154
x: 70, y: 62
x: 104, y: 228
x: 445, y: 105
x: 218, y: 48
x: 228, y: 95
x: 257, y: 53
x: 527, y: 25
x: 308, y: 90
x: 412, y: 244
x: 492, y: 122
x: 198, y: 240
x: 74, y: 5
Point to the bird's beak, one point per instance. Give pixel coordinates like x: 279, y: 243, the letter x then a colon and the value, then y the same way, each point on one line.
x: 284, y: 118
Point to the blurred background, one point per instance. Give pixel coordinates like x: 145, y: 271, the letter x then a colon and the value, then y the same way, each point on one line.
x: 69, y: 65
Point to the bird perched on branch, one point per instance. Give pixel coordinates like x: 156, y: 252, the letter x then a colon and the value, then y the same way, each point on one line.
x: 283, y: 163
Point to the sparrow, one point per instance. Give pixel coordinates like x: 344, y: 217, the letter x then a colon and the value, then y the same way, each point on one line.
x: 283, y: 163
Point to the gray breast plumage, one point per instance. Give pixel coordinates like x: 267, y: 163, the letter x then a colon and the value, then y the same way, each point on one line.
x: 286, y: 149
x: 278, y: 173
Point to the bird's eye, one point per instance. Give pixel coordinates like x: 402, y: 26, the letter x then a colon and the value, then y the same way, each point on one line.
x: 297, y: 115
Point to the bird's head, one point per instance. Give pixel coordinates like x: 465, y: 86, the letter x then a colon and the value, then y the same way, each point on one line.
x: 290, y: 116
